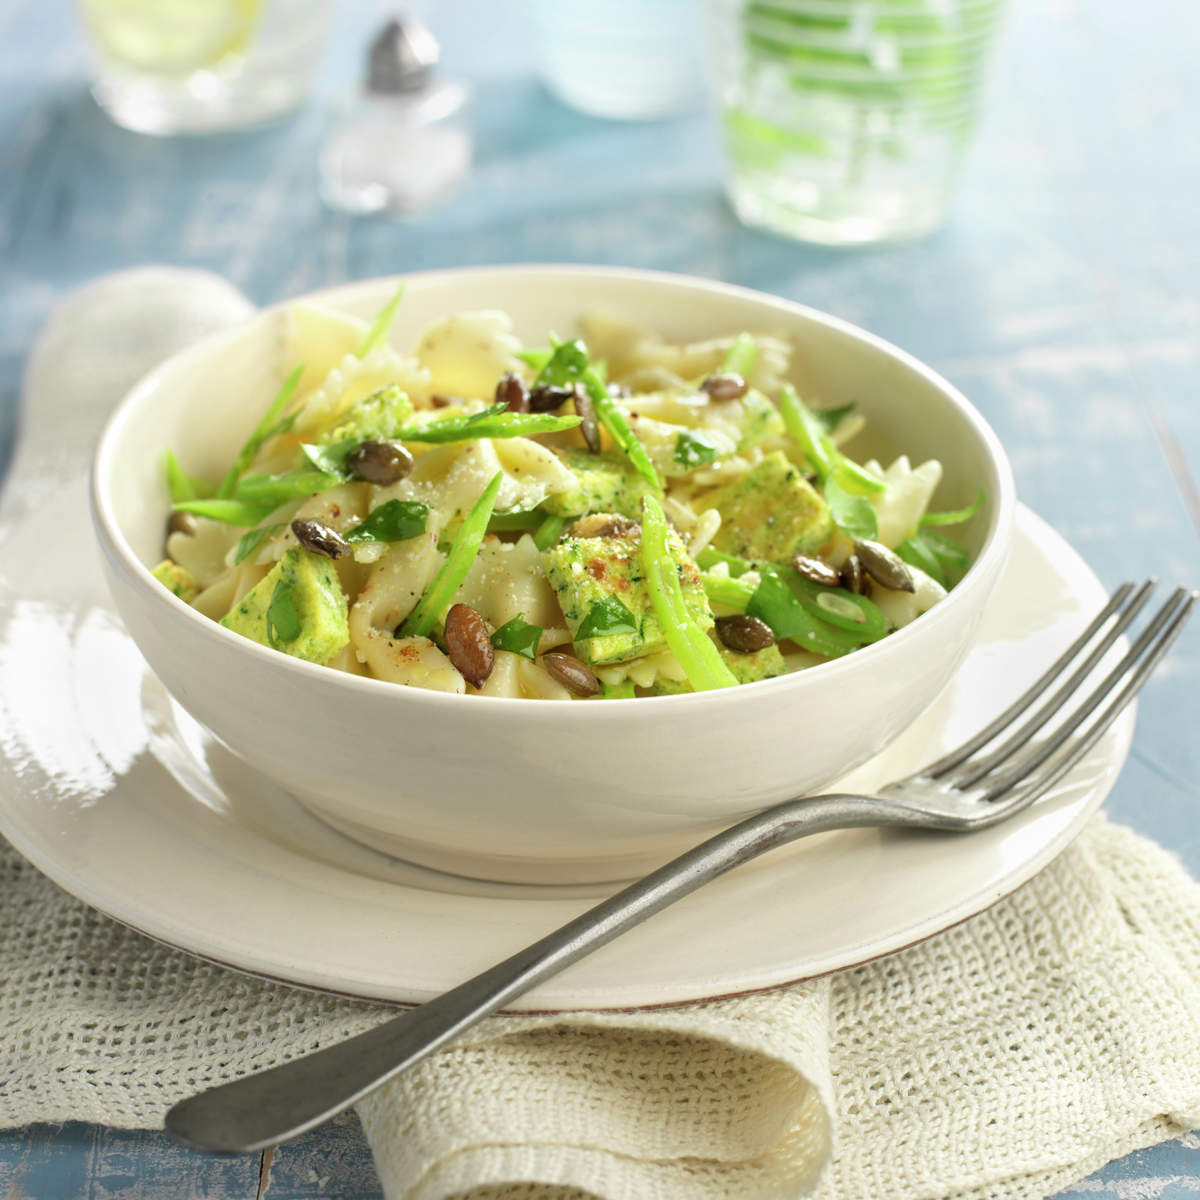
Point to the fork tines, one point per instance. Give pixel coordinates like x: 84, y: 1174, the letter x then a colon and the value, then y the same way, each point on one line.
x: 1079, y: 728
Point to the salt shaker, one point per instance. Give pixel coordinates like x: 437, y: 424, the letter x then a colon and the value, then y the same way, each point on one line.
x: 406, y: 145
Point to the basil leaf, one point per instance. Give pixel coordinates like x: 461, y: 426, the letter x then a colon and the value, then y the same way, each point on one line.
x: 955, y: 516
x: 694, y: 449
x: 852, y: 514
x: 251, y: 541
x: 394, y: 521
x: 331, y: 459
x: 283, y: 622
x: 518, y: 637
x: 606, y: 617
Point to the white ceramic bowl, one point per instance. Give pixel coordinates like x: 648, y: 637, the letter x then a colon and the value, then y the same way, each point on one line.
x: 524, y: 790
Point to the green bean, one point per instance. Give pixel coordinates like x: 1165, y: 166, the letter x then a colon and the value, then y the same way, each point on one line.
x: 723, y: 589
x: 549, y: 531
x: 692, y: 647
x: 493, y: 422
x: 463, y: 550
x: 382, y: 326
x: 741, y: 356
x: 272, y: 422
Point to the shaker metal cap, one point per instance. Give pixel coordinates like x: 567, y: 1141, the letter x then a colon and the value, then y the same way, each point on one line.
x: 402, y: 57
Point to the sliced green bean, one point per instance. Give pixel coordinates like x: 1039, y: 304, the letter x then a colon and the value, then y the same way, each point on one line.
x: 549, y: 531
x: 493, y: 422
x: 463, y: 550
x: 723, y: 589
x: 692, y: 647
x: 273, y: 422
x: 741, y: 356
x: 776, y: 604
x: 806, y: 431
x: 955, y: 516
x: 382, y: 326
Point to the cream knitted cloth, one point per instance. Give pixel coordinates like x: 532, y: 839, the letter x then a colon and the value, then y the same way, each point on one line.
x: 1003, y: 1059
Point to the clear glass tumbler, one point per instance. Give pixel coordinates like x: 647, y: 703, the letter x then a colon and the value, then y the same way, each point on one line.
x: 845, y: 121
x: 199, y: 66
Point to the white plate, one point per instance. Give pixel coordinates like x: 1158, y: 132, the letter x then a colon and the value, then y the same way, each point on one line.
x: 121, y: 798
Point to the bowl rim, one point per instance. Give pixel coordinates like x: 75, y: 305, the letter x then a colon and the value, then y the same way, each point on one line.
x: 126, y: 563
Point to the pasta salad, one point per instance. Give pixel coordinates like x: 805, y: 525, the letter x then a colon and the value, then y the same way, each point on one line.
x: 610, y: 516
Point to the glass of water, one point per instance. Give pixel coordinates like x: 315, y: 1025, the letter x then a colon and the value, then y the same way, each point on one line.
x: 845, y: 121
x: 199, y: 66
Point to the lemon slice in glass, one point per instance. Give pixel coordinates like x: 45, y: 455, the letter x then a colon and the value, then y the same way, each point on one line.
x: 172, y: 37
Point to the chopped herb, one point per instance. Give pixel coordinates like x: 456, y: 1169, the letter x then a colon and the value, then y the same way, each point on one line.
x: 378, y: 333
x: 694, y: 449
x: 852, y: 514
x: 251, y: 541
x: 283, y: 622
x: 518, y: 637
x: 606, y: 617
x: 273, y: 422
x: 392, y: 521
x: 955, y: 516
x: 947, y: 551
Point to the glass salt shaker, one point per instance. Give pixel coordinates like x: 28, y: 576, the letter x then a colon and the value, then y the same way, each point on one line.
x: 406, y: 146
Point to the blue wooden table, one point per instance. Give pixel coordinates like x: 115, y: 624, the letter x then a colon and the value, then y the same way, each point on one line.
x: 1061, y: 297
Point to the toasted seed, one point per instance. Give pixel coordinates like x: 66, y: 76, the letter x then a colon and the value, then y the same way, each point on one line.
x: 512, y: 393
x: 725, y: 385
x: 546, y: 398
x: 379, y: 462
x: 816, y: 570
x: 574, y: 675
x: 181, y: 522
x: 744, y: 633
x: 437, y: 401
x: 886, y: 568
x: 469, y: 644
x: 320, y: 539
x: 852, y: 575
x: 589, y: 426
x: 600, y: 525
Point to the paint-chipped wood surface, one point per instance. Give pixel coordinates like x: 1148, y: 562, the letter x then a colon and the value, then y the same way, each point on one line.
x: 1062, y: 297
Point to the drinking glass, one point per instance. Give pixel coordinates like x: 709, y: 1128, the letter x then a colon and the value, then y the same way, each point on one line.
x: 198, y: 66
x: 846, y: 121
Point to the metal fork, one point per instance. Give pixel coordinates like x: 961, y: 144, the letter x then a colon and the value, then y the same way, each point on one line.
x: 962, y: 791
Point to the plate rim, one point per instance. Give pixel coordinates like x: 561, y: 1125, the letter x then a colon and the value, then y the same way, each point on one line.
x: 1118, y: 743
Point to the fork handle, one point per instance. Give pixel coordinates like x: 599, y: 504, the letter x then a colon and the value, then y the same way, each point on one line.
x: 266, y: 1108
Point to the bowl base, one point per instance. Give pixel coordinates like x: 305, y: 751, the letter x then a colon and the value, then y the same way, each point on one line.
x: 502, y: 868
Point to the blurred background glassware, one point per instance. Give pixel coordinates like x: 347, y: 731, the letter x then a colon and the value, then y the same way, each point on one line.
x: 200, y: 66
x: 846, y: 121
x: 623, y: 59
x: 406, y: 145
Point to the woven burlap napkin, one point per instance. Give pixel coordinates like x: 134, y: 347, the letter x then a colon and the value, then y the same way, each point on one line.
x: 1004, y: 1058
